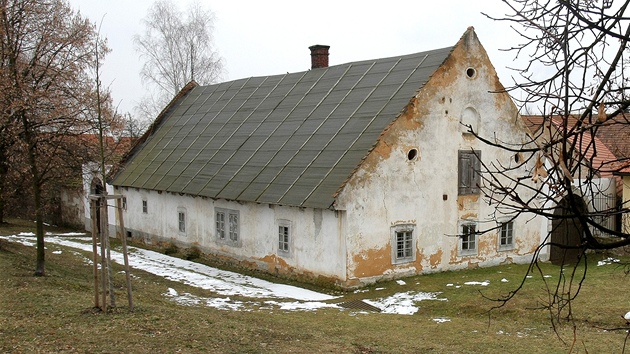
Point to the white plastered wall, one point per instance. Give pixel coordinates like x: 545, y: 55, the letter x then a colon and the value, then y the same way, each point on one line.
x: 316, y: 244
x: 389, y: 189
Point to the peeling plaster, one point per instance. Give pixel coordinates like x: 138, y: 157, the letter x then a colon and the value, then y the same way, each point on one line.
x: 436, y: 258
x: 372, y: 262
x: 467, y: 202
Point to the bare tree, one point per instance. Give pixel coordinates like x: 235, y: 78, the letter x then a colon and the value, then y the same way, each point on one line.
x: 575, y: 58
x: 134, y: 127
x: 177, y: 48
x: 7, y: 139
x: 47, y: 51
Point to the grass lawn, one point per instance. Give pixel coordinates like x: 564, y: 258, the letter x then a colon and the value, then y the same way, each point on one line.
x: 53, y: 314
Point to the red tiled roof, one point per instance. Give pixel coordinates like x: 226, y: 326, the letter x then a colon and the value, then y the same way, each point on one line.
x: 591, y: 148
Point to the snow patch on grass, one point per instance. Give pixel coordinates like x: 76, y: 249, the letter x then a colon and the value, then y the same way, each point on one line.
x: 607, y: 261
x: 229, y: 284
x: 403, y: 303
x: 441, y: 320
x: 482, y: 283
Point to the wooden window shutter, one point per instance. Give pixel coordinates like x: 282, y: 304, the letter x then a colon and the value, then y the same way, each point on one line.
x: 468, y: 172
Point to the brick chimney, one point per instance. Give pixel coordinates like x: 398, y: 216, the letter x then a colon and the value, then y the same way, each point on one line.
x: 319, y: 56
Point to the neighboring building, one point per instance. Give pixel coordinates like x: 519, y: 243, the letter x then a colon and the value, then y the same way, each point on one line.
x: 594, y: 183
x: 615, y: 133
x: 75, y: 205
x: 345, y: 174
x: 624, y: 174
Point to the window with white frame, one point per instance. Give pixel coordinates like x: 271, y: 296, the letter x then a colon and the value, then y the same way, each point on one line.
x: 468, y: 238
x: 404, y: 244
x: 227, y: 223
x: 145, y: 206
x: 506, y: 235
x: 181, y: 220
x: 124, y: 203
x: 284, y: 236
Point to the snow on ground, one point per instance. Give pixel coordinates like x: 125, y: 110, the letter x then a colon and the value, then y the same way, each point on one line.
x: 607, y: 261
x: 403, y: 303
x: 193, y: 274
x: 264, y: 295
x: 482, y: 283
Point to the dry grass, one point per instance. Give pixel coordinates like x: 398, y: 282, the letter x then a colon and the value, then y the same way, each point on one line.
x: 53, y: 314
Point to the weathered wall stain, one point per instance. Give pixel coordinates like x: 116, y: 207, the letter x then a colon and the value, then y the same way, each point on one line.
x: 435, y: 259
x: 465, y: 202
x: 487, y: 245
x: 372, y: 262
x: 275, y: 263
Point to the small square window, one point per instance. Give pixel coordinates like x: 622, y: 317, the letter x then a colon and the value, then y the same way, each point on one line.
x: 181, y: 221
x: 403, y: 241
x: 283, y: 238
x: 468, y: 239
x: 404, y: 244
x: 227, y: 226
x: 506, y: 235
x: 145, y: 207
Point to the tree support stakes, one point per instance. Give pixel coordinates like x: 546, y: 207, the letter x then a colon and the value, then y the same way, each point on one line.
x: 103, y: 265
x: 94, y: 250
x: 123, y: 239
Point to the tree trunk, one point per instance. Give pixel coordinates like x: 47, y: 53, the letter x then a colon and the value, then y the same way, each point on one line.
x: 1, y: 200
x: 40, y: 268
x: 3, y: 173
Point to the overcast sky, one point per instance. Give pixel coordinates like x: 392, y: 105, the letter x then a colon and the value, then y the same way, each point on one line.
x: 259, y: 38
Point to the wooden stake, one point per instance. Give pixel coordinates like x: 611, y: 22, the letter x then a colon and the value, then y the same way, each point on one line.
x: 103, y: 260
x: 123, y: 239
x: 94, y: 249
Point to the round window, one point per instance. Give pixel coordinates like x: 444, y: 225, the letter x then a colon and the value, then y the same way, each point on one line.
x: 412, y: 154
x: 471, y: 73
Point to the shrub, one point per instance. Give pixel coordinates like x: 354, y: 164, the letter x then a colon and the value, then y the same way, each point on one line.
x: 170, y: 249
x: 192, y: 253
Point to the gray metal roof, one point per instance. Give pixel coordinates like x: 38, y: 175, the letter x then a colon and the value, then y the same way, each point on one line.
x: 287, y: 139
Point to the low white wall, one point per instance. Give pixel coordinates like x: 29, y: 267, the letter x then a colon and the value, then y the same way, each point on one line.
x: 316, y: 243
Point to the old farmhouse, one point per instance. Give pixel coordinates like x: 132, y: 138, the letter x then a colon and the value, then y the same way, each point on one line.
x: 349, y: 173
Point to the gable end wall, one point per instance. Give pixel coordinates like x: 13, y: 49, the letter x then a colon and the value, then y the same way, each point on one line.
x: 389, y: 190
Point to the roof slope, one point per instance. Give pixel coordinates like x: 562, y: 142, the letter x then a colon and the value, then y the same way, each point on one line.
x: 288, y: 139
x: 615, y: 133
x: 589, y: 147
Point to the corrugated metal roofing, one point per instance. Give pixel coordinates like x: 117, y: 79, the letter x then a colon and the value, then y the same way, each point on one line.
x: 288, y: 139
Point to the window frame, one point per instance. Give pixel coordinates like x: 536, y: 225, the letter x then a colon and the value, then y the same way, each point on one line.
x: 181, y: 220
x: 233, y: 223
x: 284, y: 239
x: 404, y: 230
x: 509, y: 226
x: 123, y: 203
x: 230, y: 233
x: 219, y: 225
x: 468, y: 172
x: 464, y: 238
x: 145, y: 206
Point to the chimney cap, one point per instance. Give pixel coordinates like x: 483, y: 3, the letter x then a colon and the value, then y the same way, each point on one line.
x: 319, y: 46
